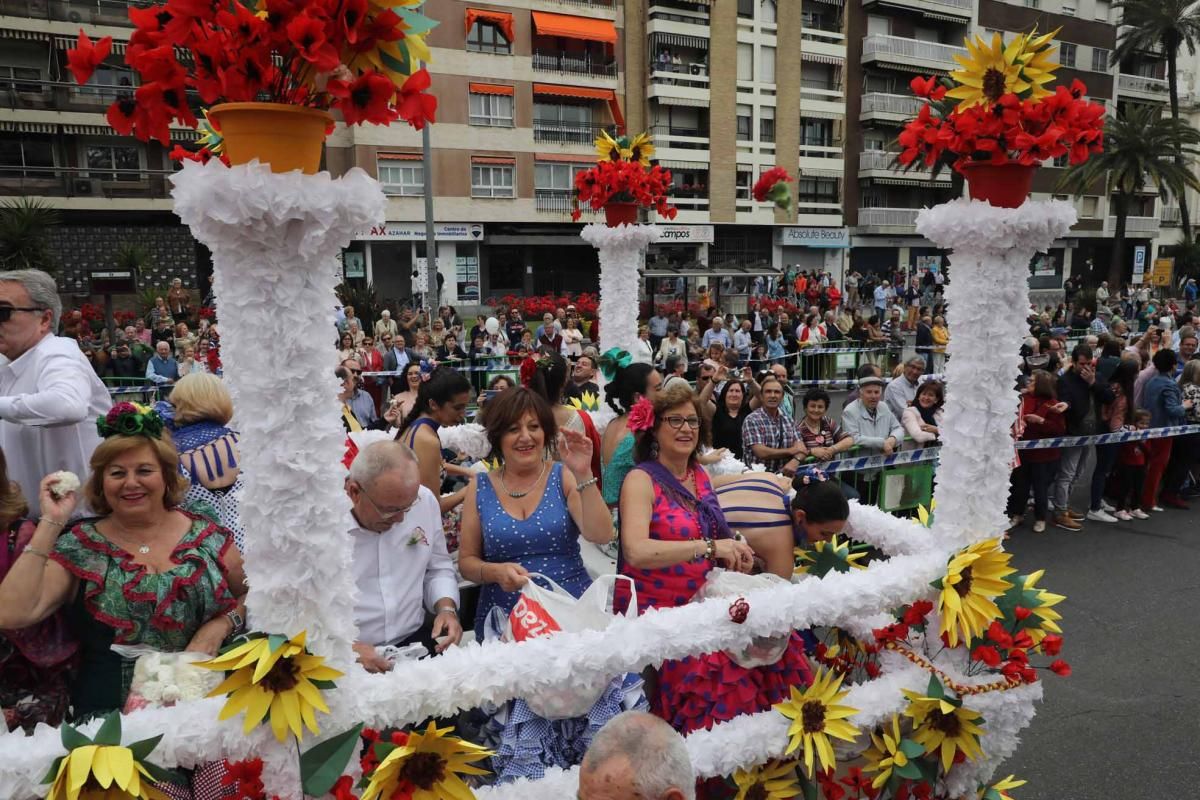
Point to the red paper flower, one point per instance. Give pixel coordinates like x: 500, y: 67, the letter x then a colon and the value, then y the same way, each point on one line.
x: 1021, y: 613
x: 414, y: 105
x: 738, y: 610
x: 342, y: 789
x: 998, y: 635
x: 896, y: 632
x: 85, y: 57
x: 366, y: 99
x: 641, y: 416
x: 307, y: 33
x: 1051, y: 644
x: 1060, y: 667
x: 987, y: 654
x: 916, y: 613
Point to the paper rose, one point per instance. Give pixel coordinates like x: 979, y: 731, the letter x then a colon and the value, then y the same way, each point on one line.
x: 641, y: 416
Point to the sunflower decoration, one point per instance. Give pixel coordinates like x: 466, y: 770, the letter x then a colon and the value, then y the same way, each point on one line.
x: 211, y: 138
x: 989, y: 71
x: 607, y: 148
x: 974, y: 577
x: 942, y: 724
x: 775, y: 780
x: 102, y: 769
x: 816, y: 715
x: 1026, y: 594
x: 425, y: 766
x: 274, y: 676
x: 1036, y: 66
x: 638, y: 149
x: 585, y: 402
x: 835, y: 555
x: 891, y: 755
x: 999, y: 789
x: 925, y: 515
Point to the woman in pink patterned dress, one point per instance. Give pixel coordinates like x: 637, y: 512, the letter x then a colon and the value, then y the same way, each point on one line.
x: 672, y: 535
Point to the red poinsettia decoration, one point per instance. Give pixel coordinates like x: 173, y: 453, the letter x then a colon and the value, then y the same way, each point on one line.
x: 356, y: 56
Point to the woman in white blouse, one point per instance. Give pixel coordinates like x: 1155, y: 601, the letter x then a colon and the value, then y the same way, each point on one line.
x: 643, y: 351
x: 572, y: 339
x: 672, y: 345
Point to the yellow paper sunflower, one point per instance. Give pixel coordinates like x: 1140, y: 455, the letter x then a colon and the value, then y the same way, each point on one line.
x: 816, y: 715
x: 275, y: 676
x: 607, y: 148
x: 942, y: 724
x: 973, y: 578
x: 988, y: 72
x: 428, y: 767
x: 891, y: 753
x: 999, y: 789
x: 640, y: 149
x: 773, y: 781
x: 1042, y: 608
x: 1037, y: 69
x: 585, y: 402
x: 98, y: 772
x: 825, y: 556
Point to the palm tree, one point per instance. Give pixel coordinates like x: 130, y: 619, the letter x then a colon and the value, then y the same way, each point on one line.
x: 1140, y: 147
x: 25, y: 226
x: 1169, y: 24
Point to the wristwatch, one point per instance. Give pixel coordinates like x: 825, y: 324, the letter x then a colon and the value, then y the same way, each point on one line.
x: 447, y: 610
x: 237, y: 620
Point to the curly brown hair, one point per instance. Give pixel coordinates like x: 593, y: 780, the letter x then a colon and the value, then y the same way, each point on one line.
x: 113, y: 448
x: 674, y: 395
x: 507, y: 409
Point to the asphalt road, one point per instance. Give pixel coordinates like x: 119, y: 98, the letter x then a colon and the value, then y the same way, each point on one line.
x: 1126, y: 724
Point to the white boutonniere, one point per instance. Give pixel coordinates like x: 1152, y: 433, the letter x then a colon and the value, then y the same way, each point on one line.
x: 418, y: 537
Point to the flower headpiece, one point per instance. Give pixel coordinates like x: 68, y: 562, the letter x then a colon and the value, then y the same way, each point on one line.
x: 641, y: 416
x: 531, y: 365
x: 613, y: 359
x: 130, y: 419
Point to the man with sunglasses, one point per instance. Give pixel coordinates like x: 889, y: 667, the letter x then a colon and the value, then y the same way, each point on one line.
x: 49, y: 394
x: 362, y: 405
x: 401, y: 565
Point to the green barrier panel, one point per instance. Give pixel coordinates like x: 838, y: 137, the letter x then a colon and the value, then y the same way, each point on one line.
x: 904, y: 487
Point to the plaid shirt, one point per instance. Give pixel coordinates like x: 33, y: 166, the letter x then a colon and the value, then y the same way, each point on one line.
x: 777, y: 432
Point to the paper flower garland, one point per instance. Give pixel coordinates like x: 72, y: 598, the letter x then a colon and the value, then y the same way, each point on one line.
x: 101, y: 768
x: 424, y: 766
x: 275, y: 676
x: 130, y: 419
x: 815, y: 716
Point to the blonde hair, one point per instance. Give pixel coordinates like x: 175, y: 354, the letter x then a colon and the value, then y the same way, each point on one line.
x: 201, y: 396
x: 113, y: 448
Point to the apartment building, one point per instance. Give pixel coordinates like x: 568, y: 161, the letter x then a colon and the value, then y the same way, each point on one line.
x: 56, y: 145
x: 891, y: 41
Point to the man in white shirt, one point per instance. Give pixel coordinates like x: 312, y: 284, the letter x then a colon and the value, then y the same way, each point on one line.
x: 902, y: 390
x: 401, y: 565
x: 743, y: 341
x: 716, y: 333
x: 49, y: 394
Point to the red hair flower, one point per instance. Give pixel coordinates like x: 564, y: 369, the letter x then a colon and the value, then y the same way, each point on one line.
x: 83, y: 60
x: 641, y: 416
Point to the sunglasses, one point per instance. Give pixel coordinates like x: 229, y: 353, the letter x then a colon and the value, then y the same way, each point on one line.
x: 6, y: 312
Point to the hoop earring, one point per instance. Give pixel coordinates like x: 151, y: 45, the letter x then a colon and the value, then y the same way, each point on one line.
x: 654, y: 449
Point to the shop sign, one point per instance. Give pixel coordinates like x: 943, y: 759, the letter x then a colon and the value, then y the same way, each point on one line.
x: 415, y: 232
x: 793, y: 236
x: 685, y: 234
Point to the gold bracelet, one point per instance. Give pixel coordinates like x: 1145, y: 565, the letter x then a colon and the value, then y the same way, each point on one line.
x: 53, y: 522
x: 38, y: 553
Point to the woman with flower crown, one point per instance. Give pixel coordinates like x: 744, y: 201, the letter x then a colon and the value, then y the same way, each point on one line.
x: 144, y: 572
x: 673, y: 533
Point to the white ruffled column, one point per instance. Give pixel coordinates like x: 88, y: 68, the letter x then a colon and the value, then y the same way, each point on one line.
x: 622, y: 254
x: 274, y: 239
x: 988, y: 303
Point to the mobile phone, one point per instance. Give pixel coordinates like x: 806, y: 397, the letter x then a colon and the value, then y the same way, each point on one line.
x: 488, y: 394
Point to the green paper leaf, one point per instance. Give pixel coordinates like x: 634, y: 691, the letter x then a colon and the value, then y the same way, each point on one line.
x: 275, y: 641
x: 322, y: 765
x: 936, y: 584
x: 401, y: 65
x: 141, y: 750
x: 324, y: 684
x: 162, y: 775
x: 383, y: 750
x: 935, y: 689
x: 53, y: 773
x: 911, y: 748
x: 72, y: 738
x: 807, y: 786
x: 909, y: 770
x: 417, y: 22
x: 991, y: 794
x: 930, y: 768
x: 110, y: 731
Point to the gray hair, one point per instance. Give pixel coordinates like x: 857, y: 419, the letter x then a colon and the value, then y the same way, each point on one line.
x: 657, y: 755
x: 915, y: 361
x: 378, y: 458
x: 42, y: 291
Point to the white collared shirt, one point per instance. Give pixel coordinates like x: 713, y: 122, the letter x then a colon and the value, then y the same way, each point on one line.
x: 401, y: 572
x: 49, y: 400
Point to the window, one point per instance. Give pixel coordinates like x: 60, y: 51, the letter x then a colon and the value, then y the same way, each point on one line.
x: 745, y: 61
x: 403, y: 178
x: 1066, y: 54
x: 19, y: 152
x: 113, y: 157
x: 818, y: 190
x: 743, y: 184
x: 745, y: 9
x: 494, y: 110
x: 492, y: 180
x: 486, y: 37
x: 563, y: 122
x: 1062, y: 162
x: 1099, y: 59
x: 13, y: 79
x: 874, y: 143
x: 816, y: 132
x: 745, y: 122
x: 1031, y: 4
x: 1068, y: 10
x: 1090, y: 207
x: 1103, y: 9
x: 552, y: 177
x: 766, y: 11
x: 766, y: 66
x: 766, y: 124
x: 878, y: 26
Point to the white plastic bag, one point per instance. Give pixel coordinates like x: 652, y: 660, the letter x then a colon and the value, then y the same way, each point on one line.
x: 540, y: 612
x: 762, y: 650
x: 164, y: 679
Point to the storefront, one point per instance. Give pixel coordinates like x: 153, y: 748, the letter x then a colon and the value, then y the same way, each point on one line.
x: 811, y: 249
x: 393, y: 251
x: 677, y: 260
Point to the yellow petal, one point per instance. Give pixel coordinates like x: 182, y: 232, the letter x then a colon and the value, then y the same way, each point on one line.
x: 279, y: 722
x: 120, y: 762
x: 258, y: 706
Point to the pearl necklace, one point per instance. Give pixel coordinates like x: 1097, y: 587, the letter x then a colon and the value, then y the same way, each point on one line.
x: 519, y: 495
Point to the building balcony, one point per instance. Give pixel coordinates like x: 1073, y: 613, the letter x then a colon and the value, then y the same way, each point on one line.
x: 827, y: 47
x: 938, y: 9
x: 887, y: 220
x: 1170, y: 216
x: 570, y: 65
x: 1137, y: 87
x: 682, y: 18
x: 1137, y: 226
x: 895, y: 108
x: 602, y: 4
x: 555, y: 132
x: 821, y: 100
x: 91, y: 184
x: 671, y: 138
x: 912, y: 54
x: 679, y: 88
x: 558, y: 201
x: 825, y: 160
x: 93, y: 12
x: 881, y: 165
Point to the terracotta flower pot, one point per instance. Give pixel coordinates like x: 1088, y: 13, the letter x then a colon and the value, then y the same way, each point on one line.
x: 284, y: 136
x: 620, y: 213
x: 1002, y: 185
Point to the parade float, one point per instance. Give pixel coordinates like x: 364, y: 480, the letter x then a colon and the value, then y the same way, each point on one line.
x: 930, y: 658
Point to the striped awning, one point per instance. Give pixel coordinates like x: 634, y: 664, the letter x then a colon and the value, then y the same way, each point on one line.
x: 399, y: 156
x: 565, y: 158
x: 679, y: 40
x: 185, y: 135
x: 89, y: 130
x: 28, y: 36
x: 942, y: 17
x: 687, y: 165
x: 821, y: 58
x: 68, y: 42
x: 691, y: 102
x: 916, y: 179
x: 493, y: 160
x: 821, y: 173
x: 491, y: 88
x: 28, y: 127
x: 831, y: 2
x: 804, y: 112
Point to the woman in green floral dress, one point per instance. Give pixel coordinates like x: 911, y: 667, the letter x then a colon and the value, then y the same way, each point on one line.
x: 144, y: 572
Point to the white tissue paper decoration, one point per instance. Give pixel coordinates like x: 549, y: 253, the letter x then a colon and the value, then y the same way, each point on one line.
x: 622, y: 253
x: 468, y: 439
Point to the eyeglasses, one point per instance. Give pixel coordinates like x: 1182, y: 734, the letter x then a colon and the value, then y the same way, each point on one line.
x: 678, y: 422
x: 6, y: 312
x: 356, y: 372
x: 390, y: 513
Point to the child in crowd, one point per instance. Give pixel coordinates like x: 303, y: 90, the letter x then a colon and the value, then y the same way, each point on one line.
x: 1131, y: 472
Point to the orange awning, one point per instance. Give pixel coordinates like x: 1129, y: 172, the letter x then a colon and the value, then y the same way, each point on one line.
x: 398, y: 156
x: 492, y: 160
x: 565, y: 158
x: 490, y: 88
x: 586, y: 28
x: 585, y: 93
x: 501, y: 19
